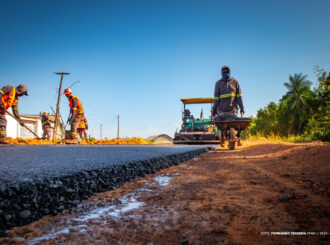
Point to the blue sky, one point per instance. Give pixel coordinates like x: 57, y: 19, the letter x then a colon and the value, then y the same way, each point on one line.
x: 138, y: 58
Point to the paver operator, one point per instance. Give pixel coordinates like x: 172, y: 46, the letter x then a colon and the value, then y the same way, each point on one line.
x: 47, y: 129
x: 9, y: 98
x: 227, y: 97
x: 82, y: 128
x: 77, y: 113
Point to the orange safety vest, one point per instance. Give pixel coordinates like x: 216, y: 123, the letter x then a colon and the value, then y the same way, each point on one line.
x: 80, y: 109
x: 8, y: 100
x: 82, y: 123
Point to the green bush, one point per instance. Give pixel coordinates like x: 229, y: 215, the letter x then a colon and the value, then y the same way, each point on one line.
x: 302, y: 114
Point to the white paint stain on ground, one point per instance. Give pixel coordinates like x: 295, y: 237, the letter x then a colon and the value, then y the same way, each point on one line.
x: 81, y: 228
x: 48, y: 236
x: 95, y: 214
x: 163, y: 180
x: 125, y: 204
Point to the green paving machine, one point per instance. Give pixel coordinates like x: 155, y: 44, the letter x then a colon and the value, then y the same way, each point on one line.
x: 196, y: 130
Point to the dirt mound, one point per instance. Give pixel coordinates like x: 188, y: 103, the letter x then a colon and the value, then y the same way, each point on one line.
x: 120, y: 141
x: 20, y: 141
x: 123, y: 141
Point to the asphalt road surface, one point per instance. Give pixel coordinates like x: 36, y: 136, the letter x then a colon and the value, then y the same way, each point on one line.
x: 26, y: 163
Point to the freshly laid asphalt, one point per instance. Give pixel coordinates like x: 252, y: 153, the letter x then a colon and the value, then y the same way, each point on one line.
x: 43, y: 180
x: 28, y: 163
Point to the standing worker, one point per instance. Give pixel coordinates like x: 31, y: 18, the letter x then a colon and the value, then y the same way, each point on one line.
x: 77, y: 113
x: 82, y: 128
x: 227, y: 97
x: 47, y: 129
x: 9, y: 98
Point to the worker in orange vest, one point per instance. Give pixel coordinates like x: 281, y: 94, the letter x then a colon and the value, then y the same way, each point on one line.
x: 9, y: 98
x: 77, y: 113
x: 82, y: 128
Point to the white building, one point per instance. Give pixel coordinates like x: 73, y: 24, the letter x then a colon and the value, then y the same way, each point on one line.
x: 33, y: 122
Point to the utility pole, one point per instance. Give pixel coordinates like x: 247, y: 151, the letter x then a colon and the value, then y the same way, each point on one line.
x: 100, y: 131
x: 58, y: 103
x: 118, y: 130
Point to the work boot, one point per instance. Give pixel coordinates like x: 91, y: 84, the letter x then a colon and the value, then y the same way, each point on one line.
x: 4, y: 141
x: 78, y: 139
x: 73, y: 141
x: 222, y: 142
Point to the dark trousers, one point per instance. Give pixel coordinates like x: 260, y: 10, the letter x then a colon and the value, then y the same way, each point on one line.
x: 3, y: 126
x: 47, y: 134
x: 75, y: 125
x: 82, y: 133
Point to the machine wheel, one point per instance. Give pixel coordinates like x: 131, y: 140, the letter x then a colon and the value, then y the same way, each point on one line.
x: 232, y: 139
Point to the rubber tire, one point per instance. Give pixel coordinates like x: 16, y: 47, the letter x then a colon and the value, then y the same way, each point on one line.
x: 232, y: 136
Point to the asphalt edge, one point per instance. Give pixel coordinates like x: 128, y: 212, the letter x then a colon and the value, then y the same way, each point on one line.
x: 28, y: 202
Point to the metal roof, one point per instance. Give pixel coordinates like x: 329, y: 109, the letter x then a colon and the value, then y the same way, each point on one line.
x: 153, y: 137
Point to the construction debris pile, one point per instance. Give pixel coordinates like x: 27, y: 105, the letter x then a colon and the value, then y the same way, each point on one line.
x: 19, y: 141
x: 231, y: 118
x: 120, y: 141
x: 124, y: 141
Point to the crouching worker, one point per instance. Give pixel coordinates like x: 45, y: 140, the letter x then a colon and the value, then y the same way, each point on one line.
x: 82, y: 129
x: 47, y: 129
x: 77, y: 113
x: 9, y: 98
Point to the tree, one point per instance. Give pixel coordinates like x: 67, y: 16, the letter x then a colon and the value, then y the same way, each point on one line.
x: 318, y: 126
x: 265, y: 122
x: 297, y: 97
x: 301, y: 111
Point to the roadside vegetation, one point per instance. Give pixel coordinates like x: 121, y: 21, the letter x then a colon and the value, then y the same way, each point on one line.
x: 301, y: 115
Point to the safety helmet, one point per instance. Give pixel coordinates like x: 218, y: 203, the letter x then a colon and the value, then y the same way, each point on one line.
x: 46, y: 112
x: 21, y: 90
x: 67, y: 91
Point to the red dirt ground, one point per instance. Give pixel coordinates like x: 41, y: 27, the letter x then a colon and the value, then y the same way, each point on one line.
x: 220, y: 197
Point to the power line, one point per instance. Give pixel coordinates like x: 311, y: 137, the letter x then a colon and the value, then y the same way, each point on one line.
x: 100, y: 131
